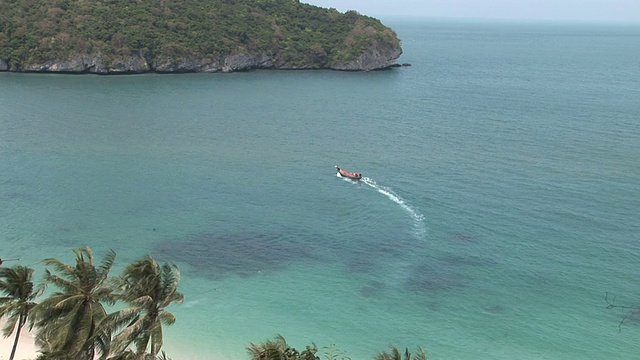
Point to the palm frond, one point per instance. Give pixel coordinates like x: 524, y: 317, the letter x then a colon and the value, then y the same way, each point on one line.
x: 78, y: 331
x: 4, y: 286
x: 119, y: 319
x: 102, y: 341
x: 166, y: 317
x: 82, y: 252
x: 16, y: 283
x: 107, y: 263
x: 143, y: 301
x: 10, y: 324
x: 394, y: 354
x: 38, y: 291
x: 272, y: 349
x: 128, y: 335
x: 142, y: 342
x: 162, y: 356
x: 60, y: 267
x: 254, y: 350
x: 69, y: 321
x: 175, y: 297
x: 5, y: 307
x: 422, y: 355
x: 65, y: 285
x: 170, y: 278
x: 148, y: 288
x: 104, y: 292
x: 69, y: 301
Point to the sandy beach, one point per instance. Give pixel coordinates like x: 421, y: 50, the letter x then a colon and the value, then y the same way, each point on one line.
x: 26, y: 347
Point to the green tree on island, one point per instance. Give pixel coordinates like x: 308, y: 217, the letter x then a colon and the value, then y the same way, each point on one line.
x: 19, y: 298
x: 170, y: 34
x: 68, y: 321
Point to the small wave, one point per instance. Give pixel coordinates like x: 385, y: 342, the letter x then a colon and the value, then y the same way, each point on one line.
x: 192, y: 303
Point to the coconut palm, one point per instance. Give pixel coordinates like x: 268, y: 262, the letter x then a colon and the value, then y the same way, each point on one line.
x: 278, y: 349
x: 19, y: 294
x: 130, y: 355
x: 68, y: 321
x: 148, y: 288
x: 395, y: 354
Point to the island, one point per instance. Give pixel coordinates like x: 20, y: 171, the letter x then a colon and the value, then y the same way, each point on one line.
x: 170, y: 36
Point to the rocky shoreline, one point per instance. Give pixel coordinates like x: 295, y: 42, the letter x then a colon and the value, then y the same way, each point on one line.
x: 372, y: 59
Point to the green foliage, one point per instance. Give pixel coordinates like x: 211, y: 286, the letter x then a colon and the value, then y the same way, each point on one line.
x: 72, y: 323
x: 278, y: 349
x: 148, y: 288
x: 68, y: 321
x: 331, y: 353
x: 394, y: 354
x: 296, y: 34
x: 19, y: 294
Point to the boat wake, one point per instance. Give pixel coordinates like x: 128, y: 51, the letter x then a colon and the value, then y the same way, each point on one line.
x: 418, y: 218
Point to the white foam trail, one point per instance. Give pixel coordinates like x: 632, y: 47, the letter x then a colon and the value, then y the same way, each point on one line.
x: 352, y: 182
x: 418, y: 218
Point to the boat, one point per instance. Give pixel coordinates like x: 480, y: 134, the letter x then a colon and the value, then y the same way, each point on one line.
x: 348, y: 174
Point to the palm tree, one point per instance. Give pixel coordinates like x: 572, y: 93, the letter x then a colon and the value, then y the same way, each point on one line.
x: 278, y: 349
x: 130, y: 355
x: 148, y: 288
x: 275, y: 349
x: 68, y: 321
x: 19, y: 291
x: 395, y: 354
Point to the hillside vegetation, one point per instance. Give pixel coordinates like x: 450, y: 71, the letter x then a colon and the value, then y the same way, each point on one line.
x: 35, y: 34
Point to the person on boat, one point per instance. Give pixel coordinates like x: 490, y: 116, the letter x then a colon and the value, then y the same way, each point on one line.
x: 0, y: 262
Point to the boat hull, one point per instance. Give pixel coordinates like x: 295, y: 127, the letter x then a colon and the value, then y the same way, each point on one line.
x: 348, y: 174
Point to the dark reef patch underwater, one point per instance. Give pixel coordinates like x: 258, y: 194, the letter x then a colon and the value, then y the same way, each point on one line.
x: 244, y: 254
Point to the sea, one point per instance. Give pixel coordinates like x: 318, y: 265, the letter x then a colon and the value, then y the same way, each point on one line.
x: 497, y: 218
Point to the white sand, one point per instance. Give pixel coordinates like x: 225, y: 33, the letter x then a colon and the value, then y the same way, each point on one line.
x: 27, y: 349
x: 26, y: 345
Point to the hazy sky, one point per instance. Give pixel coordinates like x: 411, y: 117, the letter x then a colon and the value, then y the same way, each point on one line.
x: 604, y: 10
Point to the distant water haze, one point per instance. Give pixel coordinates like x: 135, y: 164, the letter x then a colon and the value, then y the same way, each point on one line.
x: 575, y: 10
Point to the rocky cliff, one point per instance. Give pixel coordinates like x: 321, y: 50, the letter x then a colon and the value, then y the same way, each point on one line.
x: 131, y: 37
x: 372, y: 59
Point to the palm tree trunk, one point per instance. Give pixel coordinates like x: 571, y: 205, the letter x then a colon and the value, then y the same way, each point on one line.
x: 156, y: 336
x: 15, y: 341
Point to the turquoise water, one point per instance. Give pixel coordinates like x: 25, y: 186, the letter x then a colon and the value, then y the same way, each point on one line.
x: 500, y: 202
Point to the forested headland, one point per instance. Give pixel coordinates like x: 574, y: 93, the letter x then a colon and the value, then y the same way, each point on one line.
x: 134, y: 36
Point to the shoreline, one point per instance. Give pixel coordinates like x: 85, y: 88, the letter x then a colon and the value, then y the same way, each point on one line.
x: 26, y: 349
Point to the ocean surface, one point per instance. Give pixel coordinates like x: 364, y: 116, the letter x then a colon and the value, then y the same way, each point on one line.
x: 500, y: 204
